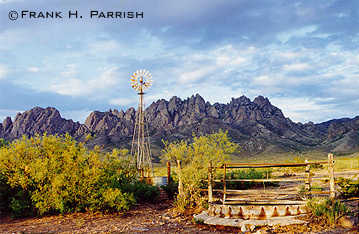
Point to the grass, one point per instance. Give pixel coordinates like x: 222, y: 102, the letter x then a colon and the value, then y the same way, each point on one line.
x: 345, y: 162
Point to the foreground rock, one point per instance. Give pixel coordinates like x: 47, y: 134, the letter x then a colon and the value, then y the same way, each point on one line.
x: 247, y: 224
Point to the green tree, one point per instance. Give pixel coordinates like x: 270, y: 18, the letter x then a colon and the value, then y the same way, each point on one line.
x: 58, y: 174
x: 195, y: 158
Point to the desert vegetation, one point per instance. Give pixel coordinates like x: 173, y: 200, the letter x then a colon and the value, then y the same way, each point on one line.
x: 195, y: 157
x: 53, y: 174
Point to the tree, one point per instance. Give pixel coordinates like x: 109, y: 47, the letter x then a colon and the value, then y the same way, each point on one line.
x: 195, y: 158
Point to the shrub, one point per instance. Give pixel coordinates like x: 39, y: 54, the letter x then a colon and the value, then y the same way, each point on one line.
x: 3, y: 142
x: 57, y: 174
x: 195, y: 158
x: 348, y: 187
x: 245, y: 174
x: 171, y: 189
x: 326, y: 209
x: 142, y: 192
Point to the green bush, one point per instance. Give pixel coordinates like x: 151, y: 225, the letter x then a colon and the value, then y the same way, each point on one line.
x: 142, y: 192
x: 58, y: 175
x: 348, y: 187
x: 171, y: 189
x: 245, y: 174
x: 328, y: 210
x: 195, y: 159
x: 3, y: 142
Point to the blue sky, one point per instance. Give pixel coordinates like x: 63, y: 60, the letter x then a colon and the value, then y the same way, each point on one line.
x: 302, y: 55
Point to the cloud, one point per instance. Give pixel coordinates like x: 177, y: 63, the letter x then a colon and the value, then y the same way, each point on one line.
x: 78, y: 87
x: 300, y: 50
x: 296, y: 67
x: 8, y: 113
x: 3, y: 71
x: 193, y: 76
x: 9, y: 1
x: 70, y: 71
x: 103, y: 46
x: 303, y: 109
x: 122, y: 101
x: 33, y: 69
x: 76, y: 115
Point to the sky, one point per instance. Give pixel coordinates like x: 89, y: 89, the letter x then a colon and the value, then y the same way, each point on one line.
x: 302, y: 55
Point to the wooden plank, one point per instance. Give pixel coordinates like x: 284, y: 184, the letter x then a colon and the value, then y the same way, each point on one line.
x: 243, y: 192
x: 288, y: 179
x: 210, y: 189
x: 224, y: 183
x: 331, y: 176
x: 266, y: 165
x: 260, y: 192
x: 309, y: 178
x: 168, y: 172
x: 263, y: 180
x: 180, y: 182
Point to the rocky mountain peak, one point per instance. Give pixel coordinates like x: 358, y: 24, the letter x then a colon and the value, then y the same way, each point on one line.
x: 261, y: 101
x: 257, y: 125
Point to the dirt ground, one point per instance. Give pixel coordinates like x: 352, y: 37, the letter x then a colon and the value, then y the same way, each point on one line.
x: 151, y: 218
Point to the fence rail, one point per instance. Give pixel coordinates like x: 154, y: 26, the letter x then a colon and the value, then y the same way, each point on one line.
x: 307, y: 181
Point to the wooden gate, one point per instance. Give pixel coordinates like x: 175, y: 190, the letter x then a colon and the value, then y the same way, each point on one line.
x: 270, y: 196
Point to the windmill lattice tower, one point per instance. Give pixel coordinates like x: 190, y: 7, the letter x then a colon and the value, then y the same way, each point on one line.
x: 140, y: 147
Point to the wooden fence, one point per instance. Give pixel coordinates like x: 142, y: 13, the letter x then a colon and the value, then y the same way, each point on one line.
x: 307, y: 179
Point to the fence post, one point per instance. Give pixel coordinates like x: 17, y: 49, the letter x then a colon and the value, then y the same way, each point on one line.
x: 168, y: 172
x: 180, y: 182
x: 331, y: 175
x: 210, y: 180
x: 309, y: 177
x: 224, y: 184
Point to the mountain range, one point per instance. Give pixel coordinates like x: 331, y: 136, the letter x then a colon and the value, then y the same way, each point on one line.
x: 258, y: 126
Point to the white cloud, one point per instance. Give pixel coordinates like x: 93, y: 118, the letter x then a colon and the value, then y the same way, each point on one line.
x: 264, y: 80
x: 302, y: 109
x: 9, y: 1
x: 3, y: 71
x: 77, y: 87
x: 11, y: 38
x: 300, y: 32
x: 76, y: 115
x: 8, y: 112
x: 70, y: 71
x: 103, y: 46
x: 122, y: 101
x: 296, y: 67
x: 196, y: 75
x: 33, y: 69
x: 288, y: 54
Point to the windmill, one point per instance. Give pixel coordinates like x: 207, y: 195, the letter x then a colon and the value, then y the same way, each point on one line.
x: 140, y: 147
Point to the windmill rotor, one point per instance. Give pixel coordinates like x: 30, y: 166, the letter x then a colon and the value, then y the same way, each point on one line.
x: 141, y: 80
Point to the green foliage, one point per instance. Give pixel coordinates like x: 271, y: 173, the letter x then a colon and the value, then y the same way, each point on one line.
x: 348, y: 187
x: 328, y: 210
x: 195, y: 159
x: 5, y: 193
x: 3, y: 142
x: 245, y: 174
x: 171, y: 189
x: 142, y: 192
x: 57, y: 174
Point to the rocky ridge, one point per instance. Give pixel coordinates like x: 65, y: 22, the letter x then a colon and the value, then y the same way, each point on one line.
x: 257, y: 125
